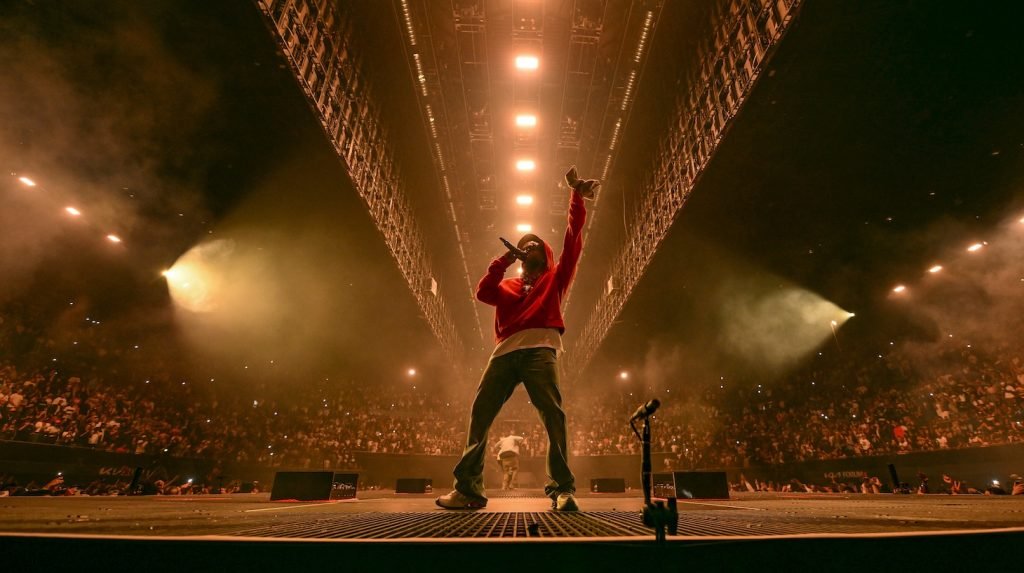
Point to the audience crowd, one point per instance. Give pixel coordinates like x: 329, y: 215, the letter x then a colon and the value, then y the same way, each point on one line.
x: 883, y: 405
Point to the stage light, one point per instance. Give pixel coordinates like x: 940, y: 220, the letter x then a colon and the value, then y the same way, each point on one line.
x: 527, y: 62
x: 623, y: 375
x: 519, y: 270
x: 524, y: 227
x: 525, y: 165
x: 113, y: 238
x: 935, y: 269
x: 526, y: 120
x: 411, y: 372
x: 27, y: 181
x: 975, y: 247
x: 74, y: 212
x: 899, y: 288
x: 851, y: 314
x: 524, y: 199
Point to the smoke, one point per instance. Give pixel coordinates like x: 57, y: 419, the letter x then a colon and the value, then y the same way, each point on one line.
x: 977, y: 298
x: 774, y: 328
x: 91, y: 121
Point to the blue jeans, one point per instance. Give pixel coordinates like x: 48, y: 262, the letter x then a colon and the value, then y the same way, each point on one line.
x: 537, y: 369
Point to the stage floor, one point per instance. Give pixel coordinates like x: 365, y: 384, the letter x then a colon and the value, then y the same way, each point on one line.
x: 516, y: 516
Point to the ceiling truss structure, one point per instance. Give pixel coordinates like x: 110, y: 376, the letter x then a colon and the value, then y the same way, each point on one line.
x: 588, y: 58
x: 423, y: 63
x: 316, y: 37
x: 743, y: 35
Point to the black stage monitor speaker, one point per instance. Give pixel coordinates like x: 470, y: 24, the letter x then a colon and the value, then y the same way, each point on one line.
x: 344, y: 486
x: 414, y: 485
x: 607, y: 485
x: 701, y: 485
x: 663, y: 485
x: 313, y: 486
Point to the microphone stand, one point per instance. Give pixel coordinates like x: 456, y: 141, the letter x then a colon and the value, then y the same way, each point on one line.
x: 655, y: 515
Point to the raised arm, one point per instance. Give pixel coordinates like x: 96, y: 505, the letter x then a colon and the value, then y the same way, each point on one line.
x: 572, y: 247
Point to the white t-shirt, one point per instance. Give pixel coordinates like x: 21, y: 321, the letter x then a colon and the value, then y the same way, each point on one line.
x: 509, y: 444
x: 530, y: 338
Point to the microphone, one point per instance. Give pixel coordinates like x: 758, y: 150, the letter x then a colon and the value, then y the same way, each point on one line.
x: 519, y: 253
x: 645, y: 410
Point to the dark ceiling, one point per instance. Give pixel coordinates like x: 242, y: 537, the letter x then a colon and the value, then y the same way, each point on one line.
x: 885, y: 136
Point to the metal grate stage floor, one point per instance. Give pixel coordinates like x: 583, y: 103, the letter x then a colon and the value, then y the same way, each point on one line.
x: 407, y: 532
x: 518, y: 515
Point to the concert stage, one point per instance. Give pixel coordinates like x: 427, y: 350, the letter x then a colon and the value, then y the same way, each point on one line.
x: 384, y: 527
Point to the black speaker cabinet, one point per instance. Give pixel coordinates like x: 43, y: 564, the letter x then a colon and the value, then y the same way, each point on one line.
x: 414, y: 485
x: 607, y: 485
x: 663, y: 485
x: 700, y: 485
x: 344, y: 486
x: 313, y: 486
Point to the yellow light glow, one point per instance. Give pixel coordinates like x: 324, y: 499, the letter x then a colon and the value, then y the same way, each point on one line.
x: 27, y: 181
x: 899, y: 288
x: 935, y: 269
x: 525, y: 165
x: 73, y: 211
x: 527, y: 62
x: 519, y: 270
x: 192, y: 284
x: 526, y: 120
x: 524, y: 227
x: 411, y: 372
x: 975, y: 247
x: 113, y: 238
x: 624, y: 375
x: 524, y: 199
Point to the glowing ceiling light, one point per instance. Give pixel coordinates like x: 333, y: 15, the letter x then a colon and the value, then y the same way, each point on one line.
x: 899, y: 288
x: 113, y: 238
x: 527, y: 62
x: 27, y: 181
x: 524, y: 200
x: 524, y: 227
x: 975, y: 247
x: 525, y: 165
x: 624, y: 375
x: 73, y: 211
x: 935, y: 269
x: 526, y: 120
x: 411, y: 372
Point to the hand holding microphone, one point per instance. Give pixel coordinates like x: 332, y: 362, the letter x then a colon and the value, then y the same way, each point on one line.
x: 513, y: 250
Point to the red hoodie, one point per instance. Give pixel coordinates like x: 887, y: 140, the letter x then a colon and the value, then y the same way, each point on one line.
x: 541, y: 307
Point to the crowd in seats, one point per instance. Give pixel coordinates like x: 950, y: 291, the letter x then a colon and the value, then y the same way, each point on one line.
x: 966, y: 398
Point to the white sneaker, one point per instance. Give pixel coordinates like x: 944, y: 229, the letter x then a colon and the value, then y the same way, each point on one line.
x: 566, y: 502
x: 456, y: 500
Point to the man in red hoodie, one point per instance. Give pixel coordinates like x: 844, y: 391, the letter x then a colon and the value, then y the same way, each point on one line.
x: 528, y: 329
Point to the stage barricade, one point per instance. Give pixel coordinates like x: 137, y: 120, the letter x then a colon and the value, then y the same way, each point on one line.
x: 978, y: 466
